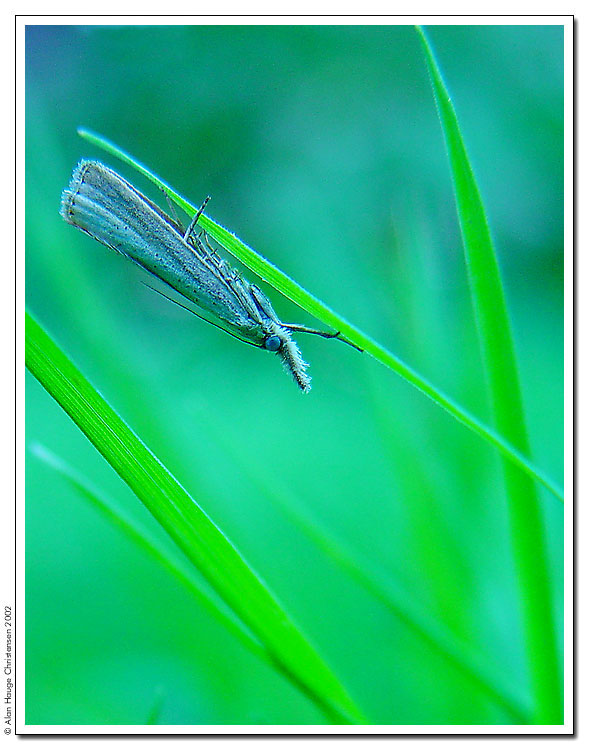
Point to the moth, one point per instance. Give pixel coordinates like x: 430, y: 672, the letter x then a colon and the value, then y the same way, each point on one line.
x: 105, y: 206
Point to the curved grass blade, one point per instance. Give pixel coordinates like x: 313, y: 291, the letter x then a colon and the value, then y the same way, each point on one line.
x: 499, y: 360
x: 301, y: 297
x: 200, y: 539
x: 477, y: 668
x: 141, y: 538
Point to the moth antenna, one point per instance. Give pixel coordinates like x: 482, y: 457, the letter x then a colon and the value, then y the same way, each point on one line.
x: 206, y: 320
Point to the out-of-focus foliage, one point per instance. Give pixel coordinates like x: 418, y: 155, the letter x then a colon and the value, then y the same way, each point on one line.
x: 278, y: 124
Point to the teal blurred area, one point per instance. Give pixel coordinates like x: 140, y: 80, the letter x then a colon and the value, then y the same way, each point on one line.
x: 321, y: 148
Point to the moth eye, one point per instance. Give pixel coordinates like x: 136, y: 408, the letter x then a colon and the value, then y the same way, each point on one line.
x: 273, y: 343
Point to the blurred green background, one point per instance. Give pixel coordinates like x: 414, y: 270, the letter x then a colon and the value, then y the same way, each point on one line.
x: 321, y: 148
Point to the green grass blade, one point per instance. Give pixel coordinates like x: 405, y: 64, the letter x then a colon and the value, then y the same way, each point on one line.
x: 476, y: 668
x: 200, y: 539
x: 287, y: 286
x: 479, y: 670
x: 501, y: 368
x: 142, y: 539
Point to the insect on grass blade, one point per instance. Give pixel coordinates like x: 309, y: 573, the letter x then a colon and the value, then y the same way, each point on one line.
x: 107, y: 207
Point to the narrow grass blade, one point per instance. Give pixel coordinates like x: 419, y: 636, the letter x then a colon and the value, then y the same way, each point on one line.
x: 200, y: 539
x: 287, y: 286
x: 476, y: 668
x: 141, y: 538
x: 501, y: 368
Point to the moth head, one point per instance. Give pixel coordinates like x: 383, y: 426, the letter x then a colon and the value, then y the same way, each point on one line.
x: 273, y: 342
x: 280, y: 341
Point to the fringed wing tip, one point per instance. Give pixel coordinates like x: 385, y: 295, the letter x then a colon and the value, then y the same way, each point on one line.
x: 65, y: 205
x: 69, y: 193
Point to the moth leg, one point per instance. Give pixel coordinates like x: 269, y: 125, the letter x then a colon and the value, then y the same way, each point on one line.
x: 195, y: 219
x: 324, y: 334
x: 204, y: 238
x: 201, y: 239
x: 264, y: 304
x: 243, y: 291
x: 172, y: 208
